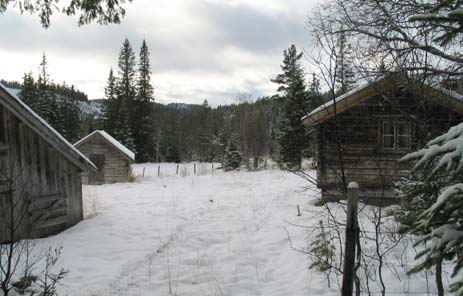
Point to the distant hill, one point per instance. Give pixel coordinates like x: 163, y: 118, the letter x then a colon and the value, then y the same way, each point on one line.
x: 92, y: 107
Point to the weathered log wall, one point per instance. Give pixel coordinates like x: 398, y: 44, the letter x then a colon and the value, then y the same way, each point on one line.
x: 116, y: 166
x: 42, y: 185
x: 353, y: 139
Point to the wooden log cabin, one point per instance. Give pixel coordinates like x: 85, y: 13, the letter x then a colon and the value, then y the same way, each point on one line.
x: 40, y: 183
x: 112, y: 159
x: 364, y: 133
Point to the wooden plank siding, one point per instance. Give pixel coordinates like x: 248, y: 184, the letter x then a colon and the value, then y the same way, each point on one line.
x: 355, y: 136
x: 46, y: 185
x: 116, y: 166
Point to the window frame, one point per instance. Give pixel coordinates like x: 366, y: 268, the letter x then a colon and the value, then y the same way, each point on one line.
x: 395, y: 124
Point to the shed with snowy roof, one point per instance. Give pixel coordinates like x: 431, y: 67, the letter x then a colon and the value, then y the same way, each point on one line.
x: 40, y: 183
x: 360, y: 135
x: 112, y: 159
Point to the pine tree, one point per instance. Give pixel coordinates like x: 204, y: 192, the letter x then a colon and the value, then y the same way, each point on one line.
x: 142, y: 119
x: 345, y: 74
x: 111, y: 105
x: 293, y: 135
x: 28, y: 93
x: 126, y: 95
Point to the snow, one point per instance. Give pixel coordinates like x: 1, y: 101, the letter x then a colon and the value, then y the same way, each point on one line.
x: 448, y: 146
x: 111, y: 140
x: 446, y: 195
x: 14, y: 91
x: 91, y: 107
x: 353, y: 185
x: 452, y: 94
x: 339, y: 99
x: 49, y: 127
x: 210, y: 234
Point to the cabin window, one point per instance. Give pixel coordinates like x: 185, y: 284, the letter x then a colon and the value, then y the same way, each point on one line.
x: 395, y: 135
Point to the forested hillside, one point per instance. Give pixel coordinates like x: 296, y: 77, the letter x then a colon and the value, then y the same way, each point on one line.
x: 188, y: 132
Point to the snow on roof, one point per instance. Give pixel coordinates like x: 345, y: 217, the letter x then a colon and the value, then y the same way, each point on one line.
x: 338, y: 99
x: 43, y: 124
x: 325, y: 107
x: 111, y: 140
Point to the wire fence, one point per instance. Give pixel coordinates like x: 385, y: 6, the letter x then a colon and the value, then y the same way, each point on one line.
x: 164, y: 170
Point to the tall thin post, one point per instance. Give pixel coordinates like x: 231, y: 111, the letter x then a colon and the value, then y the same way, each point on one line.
x: 159, y: 169
x: 177, y: 170
x: 194, y: 168
x: 351, y: 235
x: 143, y: 172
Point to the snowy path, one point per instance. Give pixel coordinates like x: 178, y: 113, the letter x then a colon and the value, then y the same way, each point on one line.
x: 219, y: 234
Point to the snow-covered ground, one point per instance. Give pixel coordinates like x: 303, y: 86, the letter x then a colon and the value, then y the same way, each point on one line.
x: 209, y: 234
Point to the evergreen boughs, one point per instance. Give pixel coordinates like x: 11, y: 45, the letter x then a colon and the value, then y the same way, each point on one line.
x: 433, y: 199
x: 293, y: 134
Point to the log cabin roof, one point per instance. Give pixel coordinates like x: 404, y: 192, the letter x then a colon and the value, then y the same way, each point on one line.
x: 439, y: 95
x: 113, y: 142
x: 24, y: 113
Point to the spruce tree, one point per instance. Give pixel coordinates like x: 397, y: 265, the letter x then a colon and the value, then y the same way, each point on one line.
x: 111, y: 105
x: 123, y: 131
x: 28, y: 93
x: 126, y: 95
x: 433, y: 203
x: 293, y: 135
x: 44, y: 95
x: 315, y: 99
x: 345, y: 74
x: 69, y: 113
x: 142, y: 119
x: 314, y: 93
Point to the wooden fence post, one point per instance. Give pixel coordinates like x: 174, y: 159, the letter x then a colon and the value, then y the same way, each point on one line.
x: 143, y: 172
x: 177, y: 170
x: 351, y: 235
x: 194, y: 168
x: 159, y: 169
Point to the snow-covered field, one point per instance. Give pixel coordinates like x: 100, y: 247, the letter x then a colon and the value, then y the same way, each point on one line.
x: 210, y: 234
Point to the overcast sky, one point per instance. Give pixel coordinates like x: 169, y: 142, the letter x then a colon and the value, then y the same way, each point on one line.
x: 200, y: 49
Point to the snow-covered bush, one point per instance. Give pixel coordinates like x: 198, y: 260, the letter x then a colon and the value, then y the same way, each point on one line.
x: 434, y: 202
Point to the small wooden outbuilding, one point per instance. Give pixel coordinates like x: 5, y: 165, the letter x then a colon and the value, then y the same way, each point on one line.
x: 112, y: 159
x: 364, y: 133
x: 40, y: 183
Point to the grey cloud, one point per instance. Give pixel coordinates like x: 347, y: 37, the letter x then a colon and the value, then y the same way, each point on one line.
x: 252, y: 29
x: 175, y: 47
